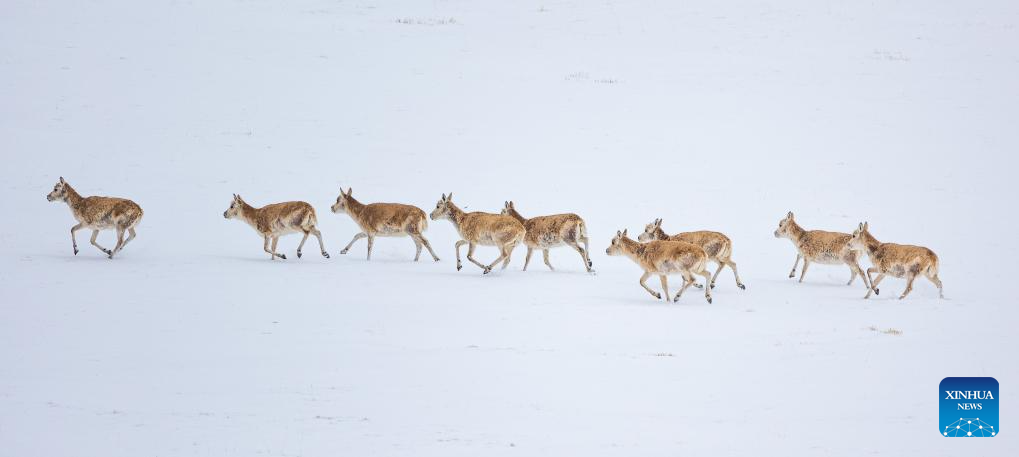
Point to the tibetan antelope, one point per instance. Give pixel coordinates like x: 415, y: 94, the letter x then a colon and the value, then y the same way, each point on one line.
x: 546, y: 232
x: 384, y: 219
x: 717, y: 246
x: 275, y: 220
x: 663, y: 258
x: 99, y: 213
x: 483, y: 229
x: 830, y: 248
x: 895, y: 260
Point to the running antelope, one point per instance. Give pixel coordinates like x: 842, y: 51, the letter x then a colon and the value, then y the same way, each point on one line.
x: 830, y: 248
x: 384, y: 219
x: 99, y: 213
x: 278, y: 219
x: 546, y: 232
x: 895, y: 260
x: 717, y: 246
x: 483, y: 229
x: 663, y: 258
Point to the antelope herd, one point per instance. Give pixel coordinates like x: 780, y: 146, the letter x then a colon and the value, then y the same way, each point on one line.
x: 658, y: 254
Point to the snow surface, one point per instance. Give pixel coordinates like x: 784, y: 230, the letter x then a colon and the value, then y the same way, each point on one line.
x: 709, y: 115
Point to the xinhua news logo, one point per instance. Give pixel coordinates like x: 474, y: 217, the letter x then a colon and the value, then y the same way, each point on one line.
x: 969, y: 407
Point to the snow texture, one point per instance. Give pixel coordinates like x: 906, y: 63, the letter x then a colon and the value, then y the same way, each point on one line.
x: 708, y: 115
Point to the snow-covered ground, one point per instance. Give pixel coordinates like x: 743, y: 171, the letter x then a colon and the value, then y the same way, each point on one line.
x: 710, y: 116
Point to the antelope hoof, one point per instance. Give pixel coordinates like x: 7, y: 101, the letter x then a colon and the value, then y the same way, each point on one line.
x: 590, y: 264
x: 709, y: 300
x: 712, y: 285
x: 658, y: 296
x: 793, y: 274
x: 436, y: 259
x: 741, y: 286
x: 901, y: 297
x: 283, y: 256
x: 343, y: 251
x: 458, y: 266
x: 699, y: 286
x: 675, y: 300
x: 877, y: 291
x: 325, y: 254
x: 75, y: 251
x: 298, y: 254
x: 486, y: 271
x: 110, y: 257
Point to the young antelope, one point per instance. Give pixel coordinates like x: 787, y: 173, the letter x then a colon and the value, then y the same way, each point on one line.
x: 483, y: 229
x: 663, y: 258
x: 896, y: 260
x: 830, y: 248
x: 99, y: 213
x: 546, y: 232
x: 717, y: 246
x: 275, y: 220
x: 384, y: 219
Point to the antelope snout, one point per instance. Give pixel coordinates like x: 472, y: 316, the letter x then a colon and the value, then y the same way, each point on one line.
x: 608, y: 251
x: 776, y: 234
x: 49, y: 198
x: 225, y: 215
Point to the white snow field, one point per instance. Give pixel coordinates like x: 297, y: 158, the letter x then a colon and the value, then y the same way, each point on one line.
x: 709, y: 115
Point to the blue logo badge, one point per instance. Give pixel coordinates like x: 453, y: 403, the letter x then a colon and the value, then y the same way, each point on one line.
x: 969, y: 407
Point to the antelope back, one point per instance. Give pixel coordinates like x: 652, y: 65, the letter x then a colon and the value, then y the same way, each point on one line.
x: 110, y: 211
x: 553, y: 230
x: 391, y: 218
x: 823, y: 246
x: 285, y: 217
x: 714, y: 244
x: 481, y: 227
x: 674, y: 255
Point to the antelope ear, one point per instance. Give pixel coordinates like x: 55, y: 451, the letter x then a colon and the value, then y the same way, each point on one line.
x: 62, y: 180
x: 450, y: 197
x: 658, y: 222
x: 865, y: 226
x: 349, y: 191
x: 789, y: 216
x: 624, y: 232
x: 618, y: 233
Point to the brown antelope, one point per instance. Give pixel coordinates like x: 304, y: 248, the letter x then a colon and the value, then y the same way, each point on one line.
x: 384, y: 219
x: 663, y: 258
x: 99, y: 213
x: 546, y: 232
x: 278, y: 219
x: 895, y: 260
x: 830, y: 248
x: 477, y: 228
x: 717, y: 246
